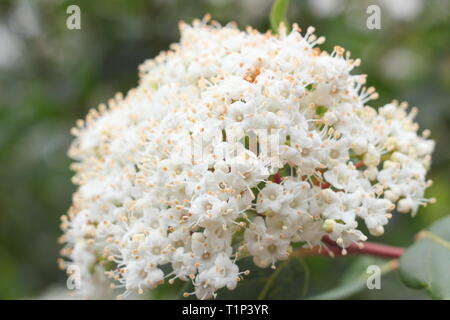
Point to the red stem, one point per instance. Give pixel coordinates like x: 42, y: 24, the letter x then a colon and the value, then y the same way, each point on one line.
x: 370, y: 248
x: 277, y: 178
x: 359, y: 164
x: 325, y: 185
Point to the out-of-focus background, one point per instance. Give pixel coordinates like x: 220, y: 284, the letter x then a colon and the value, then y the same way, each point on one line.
x: 50, y: 76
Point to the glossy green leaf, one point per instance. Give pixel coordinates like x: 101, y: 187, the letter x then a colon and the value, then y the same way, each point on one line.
x: 426, y: 264
x: 288, y: 281
x: 354, y: 279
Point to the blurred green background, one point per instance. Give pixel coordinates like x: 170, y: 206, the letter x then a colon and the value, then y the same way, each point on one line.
x: 50, y: 76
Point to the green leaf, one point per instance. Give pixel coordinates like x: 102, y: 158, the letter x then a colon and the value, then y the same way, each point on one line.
x: 426, y: 264
x: 288, y: 281
x: 278, y: 14
x: 354, y: 279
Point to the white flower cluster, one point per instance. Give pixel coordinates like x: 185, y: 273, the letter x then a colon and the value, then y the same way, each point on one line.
x: 145, y: 212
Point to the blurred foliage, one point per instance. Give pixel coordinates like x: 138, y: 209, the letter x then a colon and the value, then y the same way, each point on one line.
x: 50, y: 76
x: 424, y: 265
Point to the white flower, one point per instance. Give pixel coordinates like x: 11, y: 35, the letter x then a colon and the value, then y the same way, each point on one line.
x: 271, y: 199
x: 375, y: 213
x: 270, y: 250
x: 343, y: 177
x: 346, y: 234
x: 138, y: 276
x: 171, y: 174
x: 225, y: 273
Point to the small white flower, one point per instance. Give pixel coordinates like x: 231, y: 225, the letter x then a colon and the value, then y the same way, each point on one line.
x: 271, y: 199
